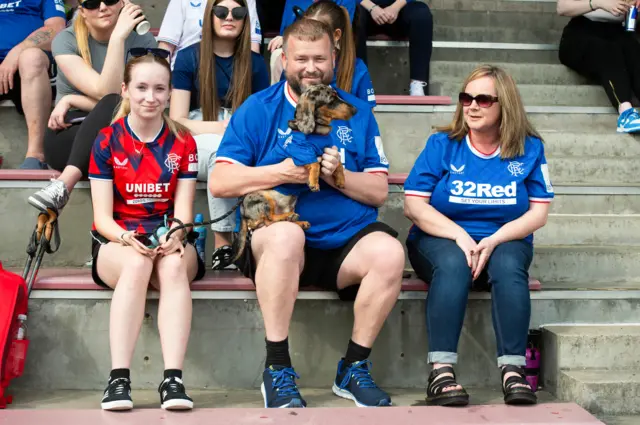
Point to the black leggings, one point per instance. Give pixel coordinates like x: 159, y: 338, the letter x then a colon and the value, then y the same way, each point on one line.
x: 415, y: 21
x: 72, y: 146
x: 605, y: 53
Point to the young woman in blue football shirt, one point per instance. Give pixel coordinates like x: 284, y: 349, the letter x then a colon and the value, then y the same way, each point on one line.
x: 211, y: 79
x: 475, y: 195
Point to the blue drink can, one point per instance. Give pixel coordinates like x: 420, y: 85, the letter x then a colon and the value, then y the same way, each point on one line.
x: 630, y: 20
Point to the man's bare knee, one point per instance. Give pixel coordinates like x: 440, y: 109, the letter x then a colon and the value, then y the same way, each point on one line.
x: 282, y: 242
x: 33, y: 63
x: 387, y: 259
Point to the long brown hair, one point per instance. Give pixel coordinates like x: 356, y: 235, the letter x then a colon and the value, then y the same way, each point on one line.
x: 514, y: 123
x: 337, y: 17
x: 124, y: 108
x: 240, y: 85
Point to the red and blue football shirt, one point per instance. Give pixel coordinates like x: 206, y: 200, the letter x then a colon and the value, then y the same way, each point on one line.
x: 144, y: 175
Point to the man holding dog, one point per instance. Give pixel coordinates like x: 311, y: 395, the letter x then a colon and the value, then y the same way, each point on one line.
x: 345, y: 249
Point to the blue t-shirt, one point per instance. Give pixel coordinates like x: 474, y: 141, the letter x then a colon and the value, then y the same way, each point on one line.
x: 361, y: 84
x: 185, y: 75
x: 19, y: 18
x: 259, y: 129
x: 479, y: 192
x: 289, y: 17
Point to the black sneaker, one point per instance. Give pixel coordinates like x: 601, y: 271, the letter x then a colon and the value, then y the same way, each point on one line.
x: 279, y: 388
x: 354, y: 382
x: 117, y: 396
x: 173, y: 396
x: 221, y: 258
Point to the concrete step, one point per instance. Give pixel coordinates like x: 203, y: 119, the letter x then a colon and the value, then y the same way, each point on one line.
x: 528, y: 6
x: 582, y: 229
x: 573, y: 263
x: 607, y: 144
x: 541, y: 94
x: 620, y: 419
x: 498, y: 17
x: 499, y: 34
x: 602, y: 391
x: 579, y: 347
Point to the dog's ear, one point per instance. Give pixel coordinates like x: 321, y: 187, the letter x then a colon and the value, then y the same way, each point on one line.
x: 322, y: 129
x: 305, y: 115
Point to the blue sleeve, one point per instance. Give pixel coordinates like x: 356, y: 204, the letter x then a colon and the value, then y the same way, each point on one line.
x: 260, y: 79
x: 184, y: 71
x: 288, y: 17
x: 363, y: 88
x: 538, y: 183
x: 53, y: 9
x: 427, y: 170
x: 375, y: 159
x: 350, y: 5
x: 241, y: 139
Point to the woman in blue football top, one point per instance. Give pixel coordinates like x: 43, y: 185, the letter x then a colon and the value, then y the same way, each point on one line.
x: 351, y: 74
x: 206, y: 92
x: 142, y: 168
x: 475, y: 195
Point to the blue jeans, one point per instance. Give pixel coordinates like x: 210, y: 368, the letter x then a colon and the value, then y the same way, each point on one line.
x: 442, y: 263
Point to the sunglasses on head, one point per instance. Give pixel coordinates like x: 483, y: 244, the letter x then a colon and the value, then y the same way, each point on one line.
x: 237, y: 13
x: 483, y: 100
x: 94, y: 4
x: 136, y: 52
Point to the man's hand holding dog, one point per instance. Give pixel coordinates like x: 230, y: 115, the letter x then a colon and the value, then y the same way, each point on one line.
x: 291, y: 173
x: 329, y: 161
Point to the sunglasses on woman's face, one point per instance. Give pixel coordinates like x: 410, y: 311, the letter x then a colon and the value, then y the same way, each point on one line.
x: 483, y: 100
x: 237, y: 13
x: 94, y: 4
x: 136, y: 52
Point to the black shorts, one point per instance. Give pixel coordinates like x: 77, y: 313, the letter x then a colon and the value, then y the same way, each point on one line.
x: 97, y: 240
x: 15, y: 94
x: 321, y: 266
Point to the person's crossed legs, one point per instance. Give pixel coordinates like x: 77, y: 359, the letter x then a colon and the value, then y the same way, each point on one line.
x: 375, y: 262
x: 33, y: 66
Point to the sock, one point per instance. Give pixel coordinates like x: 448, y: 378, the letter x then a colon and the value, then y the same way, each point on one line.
x: 119, y: 373
x: 278, y: 353
x: 356, y: 353
x: 172, y: 373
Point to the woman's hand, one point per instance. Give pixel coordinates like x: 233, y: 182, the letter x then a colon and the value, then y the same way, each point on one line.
x: 275, y: 43
x: 130, y: 16
x: 392, y: 12
x: 380, y: 16
x: 483, y: 251
x: 56, y: 120
x: 470, y: 249
x: 129, y: 238
x: 171, y: 245
x: 615, y: 7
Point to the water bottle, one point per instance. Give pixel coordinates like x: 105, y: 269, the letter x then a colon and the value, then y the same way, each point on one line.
x: 201, y: 242
x: 21, y: 332
x: 532, y: 356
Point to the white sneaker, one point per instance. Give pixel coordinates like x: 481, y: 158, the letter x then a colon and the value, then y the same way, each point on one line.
x: 416, y: 88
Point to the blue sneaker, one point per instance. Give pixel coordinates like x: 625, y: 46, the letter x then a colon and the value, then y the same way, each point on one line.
x: 629, y: 121
x: 279, y: 388
x: 354, y: 382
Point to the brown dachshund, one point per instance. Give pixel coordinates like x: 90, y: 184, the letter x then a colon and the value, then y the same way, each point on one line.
x: 317, y: 107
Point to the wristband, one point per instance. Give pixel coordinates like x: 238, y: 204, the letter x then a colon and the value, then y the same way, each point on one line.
x: 591, y: 5
x: 121, y: 239
x: 375, y: 5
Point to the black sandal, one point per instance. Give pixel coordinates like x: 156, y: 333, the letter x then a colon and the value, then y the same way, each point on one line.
x: 436, y: 396
x: 517, y: 395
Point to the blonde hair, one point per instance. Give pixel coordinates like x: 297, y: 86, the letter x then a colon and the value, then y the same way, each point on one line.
x: 82, y: 38
x: 124, y: 108
x: 514, y: 123
x: 240, y: 84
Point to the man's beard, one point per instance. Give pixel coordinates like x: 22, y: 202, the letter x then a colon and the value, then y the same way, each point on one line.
x: 295, y: 81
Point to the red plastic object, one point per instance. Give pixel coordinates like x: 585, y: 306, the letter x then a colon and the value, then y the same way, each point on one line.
x: 13, y: 354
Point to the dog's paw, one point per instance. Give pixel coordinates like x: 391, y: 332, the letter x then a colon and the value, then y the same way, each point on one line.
x: 304, y: 225
x: 314, y: 187
x: 294, y: 217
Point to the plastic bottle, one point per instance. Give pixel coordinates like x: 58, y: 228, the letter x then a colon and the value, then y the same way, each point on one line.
x: 21, y: 332
x: 201, y: 242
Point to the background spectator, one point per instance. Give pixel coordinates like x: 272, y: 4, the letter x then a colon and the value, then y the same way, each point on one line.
x: 26, y: 65
x: 91, y: 56
x: 206, y: 92
x: 400, y: 18
x: 183, y: 21
x: 595, y: 44
x: 475, y: 195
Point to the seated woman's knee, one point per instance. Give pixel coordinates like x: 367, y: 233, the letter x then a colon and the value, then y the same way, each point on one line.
x: 505, y: 261
x: 453, y: 265
x: 32, y: 62
x: 137, y: 263
x: 420, y: 13
x: 171, y: 267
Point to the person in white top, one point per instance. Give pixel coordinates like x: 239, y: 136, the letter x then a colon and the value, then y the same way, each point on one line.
x: 182, y: 26
x: 595, y: 44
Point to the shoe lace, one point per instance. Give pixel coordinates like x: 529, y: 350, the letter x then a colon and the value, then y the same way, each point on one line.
x: 118, y: 386
x: 360, y: 372
x: 55, y: 190
x: 173, y: 385
x: 283, y: 381
x: 222, y: 256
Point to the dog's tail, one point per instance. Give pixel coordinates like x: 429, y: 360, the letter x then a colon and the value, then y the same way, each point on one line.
x: 241, y: 240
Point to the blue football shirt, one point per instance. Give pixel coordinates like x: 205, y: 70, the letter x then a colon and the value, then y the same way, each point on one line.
x: 259, y: 131
x: 479, y: 191
x: 19, y: 18
x: 289, y: 17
